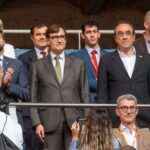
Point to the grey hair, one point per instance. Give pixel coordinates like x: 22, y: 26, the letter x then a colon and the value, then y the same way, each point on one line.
x: 147, y: 16
x: 126, y: 96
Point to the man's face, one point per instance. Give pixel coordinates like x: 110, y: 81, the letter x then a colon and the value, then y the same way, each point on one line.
x: 2, y: 42
x: 91, y: 36
x: 127, y: 111
x: 39, y: 38
x: 57, y: 41
x: 124, y: 37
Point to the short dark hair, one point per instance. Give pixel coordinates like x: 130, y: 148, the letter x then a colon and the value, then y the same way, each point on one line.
x: 54, y: 28
x: 124, y: 22
x: 89, y: 22
x: 37, y: 24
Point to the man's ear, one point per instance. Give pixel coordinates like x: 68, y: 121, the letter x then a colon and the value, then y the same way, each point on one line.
x: 117, y: 112
x: 145, y: 25
x: 82, y: 36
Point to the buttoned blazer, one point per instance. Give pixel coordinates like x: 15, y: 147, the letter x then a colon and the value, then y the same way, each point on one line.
x: 143, y: 137
x: 113, y: 79
x: 19, y: 87
x: 83, y: 54
x: 140, y: 44
x: 46, y: 88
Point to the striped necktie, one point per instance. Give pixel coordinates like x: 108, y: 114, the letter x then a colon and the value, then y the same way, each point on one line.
x: 94, y: 61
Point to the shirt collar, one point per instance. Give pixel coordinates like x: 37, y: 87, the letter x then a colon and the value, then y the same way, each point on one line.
x: 53, y: 56
x: 123, y: 128
x: 122, y: 54
x: 89, y: 50
x: 1, y: 57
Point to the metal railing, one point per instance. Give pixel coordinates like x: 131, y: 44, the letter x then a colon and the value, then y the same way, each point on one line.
x: 70, y: 105
x: 78, y: 32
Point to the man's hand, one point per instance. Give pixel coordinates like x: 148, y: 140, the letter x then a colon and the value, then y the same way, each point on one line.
x: 40, y: 132
x: 7, y: 77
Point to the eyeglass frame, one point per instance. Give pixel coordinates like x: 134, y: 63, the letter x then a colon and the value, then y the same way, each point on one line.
x: 121, y: 33
x: 126, y: 108
x: 57, y: 37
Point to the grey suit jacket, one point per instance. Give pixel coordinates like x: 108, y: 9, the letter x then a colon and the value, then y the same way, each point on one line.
x: 46, y: 89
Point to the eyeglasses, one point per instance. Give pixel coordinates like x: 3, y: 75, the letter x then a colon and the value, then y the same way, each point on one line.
x: 57, y: 37
x: 121, y: 33
x: 126, y: 108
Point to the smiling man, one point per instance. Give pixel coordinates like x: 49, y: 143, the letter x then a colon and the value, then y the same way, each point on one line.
x: 128, y: 133
x: 126, y: 70
x: 57, y: 78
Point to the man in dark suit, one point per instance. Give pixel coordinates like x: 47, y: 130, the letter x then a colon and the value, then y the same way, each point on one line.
x: 143, y: 42
x: 91, y: 34
x: 57, y: 78
x: 40, y: 50
x: 126, y: 70
x: 13, y: 82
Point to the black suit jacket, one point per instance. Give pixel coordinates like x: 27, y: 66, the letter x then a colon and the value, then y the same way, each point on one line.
x: 113, y: 79
x: 46, y: 88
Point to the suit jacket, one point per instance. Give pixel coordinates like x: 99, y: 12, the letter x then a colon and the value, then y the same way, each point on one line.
x: 143, y: 137
x: 140, y: 44
x: 46, y: 89
x: 83, y: 54
x: 19, y: 87
x: 28, y: 58
x: 113, y: 81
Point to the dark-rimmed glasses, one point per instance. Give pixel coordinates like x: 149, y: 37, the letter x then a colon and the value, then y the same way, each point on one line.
x: 126, y: 108
x: 57, y: 37
x: 121, y: 33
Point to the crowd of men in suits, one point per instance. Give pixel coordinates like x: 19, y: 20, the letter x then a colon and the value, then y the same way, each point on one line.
x: 91, y: 75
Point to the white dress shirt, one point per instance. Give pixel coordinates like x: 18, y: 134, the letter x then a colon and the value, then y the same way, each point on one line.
x: 9, y: 51
x: 128, y: 61
x: 129, y: 136
x: 89, y: 50
x: 62, y: 61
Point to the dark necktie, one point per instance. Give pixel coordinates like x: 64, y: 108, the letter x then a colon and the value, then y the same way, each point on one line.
x: 94, y: 61
x: 58, y: 69
x: 43, y: 53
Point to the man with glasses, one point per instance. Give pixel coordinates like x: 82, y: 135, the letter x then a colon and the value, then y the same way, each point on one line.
x: 128, y: 132
x: 126, y: 70
x: 57, y: 78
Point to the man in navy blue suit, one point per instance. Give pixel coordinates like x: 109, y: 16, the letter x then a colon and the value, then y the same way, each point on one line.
x: 14, y: 82
x: 91, y: 53
x: 40, y: 49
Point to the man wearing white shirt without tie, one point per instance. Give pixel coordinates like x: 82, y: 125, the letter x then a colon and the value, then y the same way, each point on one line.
x: 128, y: 133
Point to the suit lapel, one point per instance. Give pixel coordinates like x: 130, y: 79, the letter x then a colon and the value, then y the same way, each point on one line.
x: 6, y: 63
x: 117, y: 59
x: 33, y: 55
x: 139, y: 58
x: 49, y: 66
x: 89, y: 63
x: 66, y: 69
